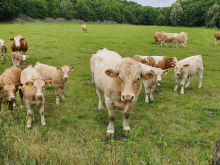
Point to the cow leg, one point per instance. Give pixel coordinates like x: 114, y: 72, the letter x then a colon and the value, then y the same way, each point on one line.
x: 200, y: 75
x: 111, y: 111
x: 190, y: 79
x: 10, y: 108
x: 57, y: 94
x: 6, y: 54
x: 29, y: 112
x: 92, y: 78
x: 145, y: 82
x: 100, y: 94
x: 42, y: 113
x: 182, y: 84
x: 2, y: 55
x: 177, y: 82
x: 21, y: 97
x: 151, y: 94
x: 62, y: 91
x: 126, y: 126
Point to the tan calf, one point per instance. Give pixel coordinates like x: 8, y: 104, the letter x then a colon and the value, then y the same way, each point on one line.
x: 33, y: 90
x: 19, y: 59
x: 150, y: 84
x: 10, y: 81
x: 3, y: 49
x: 157, y: 36
x: 83, y: 28
x: 119, y: 80
x: 168, y: 37
x: 187, y: 68
x: 59, y: 76
x: 217, y: 37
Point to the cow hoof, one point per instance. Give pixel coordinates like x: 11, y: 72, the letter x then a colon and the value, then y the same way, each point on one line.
x: 110, y: 134
x: 182, y: 93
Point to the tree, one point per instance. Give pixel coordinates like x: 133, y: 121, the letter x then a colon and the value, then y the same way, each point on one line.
x: 176, y: 14
x: 160, y: 20
x: 213, y: 14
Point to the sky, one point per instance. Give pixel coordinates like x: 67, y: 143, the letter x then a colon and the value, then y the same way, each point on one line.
x: 155, y: 3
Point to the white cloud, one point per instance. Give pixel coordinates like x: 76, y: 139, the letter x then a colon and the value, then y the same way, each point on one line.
x: 155, y: 3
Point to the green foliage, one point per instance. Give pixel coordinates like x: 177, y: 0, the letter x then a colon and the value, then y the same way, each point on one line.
x: 176, y: 14
x: 161, y: 20
x: 213, y: 15
x: 10, y: 9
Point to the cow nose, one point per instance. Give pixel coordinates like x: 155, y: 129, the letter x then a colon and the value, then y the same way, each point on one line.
x: 39, y: 96
x: 66, y: 77
x: 127, y: 97
x: 158, y: 81
x: 178, y: 74
x: 12, y: 98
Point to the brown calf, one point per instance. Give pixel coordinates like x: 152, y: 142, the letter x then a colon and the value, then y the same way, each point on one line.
x: 19, y: 59
x: 19, y: 44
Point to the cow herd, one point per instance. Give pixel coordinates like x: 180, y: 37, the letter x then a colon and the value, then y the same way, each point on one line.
x: 118, y: 80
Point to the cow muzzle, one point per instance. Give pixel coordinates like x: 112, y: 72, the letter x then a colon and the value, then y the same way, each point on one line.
x: 39, y: 96
x: 126, y: 97
x: 66, y: 77
x: 11, y: 98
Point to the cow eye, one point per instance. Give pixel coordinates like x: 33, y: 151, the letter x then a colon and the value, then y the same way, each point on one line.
x: 138, y: 78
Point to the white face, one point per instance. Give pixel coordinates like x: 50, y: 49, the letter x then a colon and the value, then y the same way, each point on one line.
x: 24, y: 57
x: 17, y: 41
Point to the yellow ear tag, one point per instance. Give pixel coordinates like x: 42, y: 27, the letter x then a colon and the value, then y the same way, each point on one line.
x: 29, y: 85
x: 165, y: 72
x: 172, y: 65
x: 19, y: 87
x: 186, y: 66
x: 49, y: 85
x: 58, y: 69
x: 111, y: 75
x: 20, y: 57
x: 72, y: 69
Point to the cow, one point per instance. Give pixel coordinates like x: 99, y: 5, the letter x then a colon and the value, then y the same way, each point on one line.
x: 217, y: 37
x: 3, y: 49
x: 168, y: 37
x: 120, y: 81
x: 157, y: 37
x: 83, y: 28
x: 150, y: 84
x: 98, y: 57
x: 10, y: 84
x: 19, y: 44
x: 181, y: 39
x: 19, y: 59
x: 59, y: 76
x: 33, y: 90
x: 162, y: 62
x: 187, y: 68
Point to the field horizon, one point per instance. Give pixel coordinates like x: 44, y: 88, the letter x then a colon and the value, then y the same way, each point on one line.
x: 174, y: 129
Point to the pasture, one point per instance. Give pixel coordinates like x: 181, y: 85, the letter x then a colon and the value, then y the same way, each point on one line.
x: 174, y: 129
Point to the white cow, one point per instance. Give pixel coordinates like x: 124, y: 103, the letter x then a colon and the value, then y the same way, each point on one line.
x: 119, y: 80
x: 187, y: 68
x: 150, y: 84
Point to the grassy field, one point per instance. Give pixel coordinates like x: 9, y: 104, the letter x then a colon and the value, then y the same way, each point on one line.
x: 174, y: 129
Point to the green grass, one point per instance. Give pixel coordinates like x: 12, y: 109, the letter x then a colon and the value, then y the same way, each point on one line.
x: 76, y: 134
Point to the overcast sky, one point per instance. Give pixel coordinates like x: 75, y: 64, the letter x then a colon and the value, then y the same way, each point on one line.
x: 155, y: 3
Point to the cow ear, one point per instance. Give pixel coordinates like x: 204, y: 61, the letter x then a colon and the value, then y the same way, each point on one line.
x: 147, y: 75
x: 18, y: 85
x: 186, y: 65
x: 171, y: 58
x: 112, y: 73
x: 29, y: 83
x: 12, y: 39
x: 21, y: 38
x: 166, y: 71
x: 178, y: 59
x: 72, y: 68
x: 48, y: 82
x: 59, y: 68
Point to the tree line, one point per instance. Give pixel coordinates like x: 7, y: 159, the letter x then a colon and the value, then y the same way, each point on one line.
x: 187, y: 13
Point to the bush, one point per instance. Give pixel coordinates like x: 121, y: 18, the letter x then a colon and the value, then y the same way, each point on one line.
x: 176, y: 14
x: 161, y: 20
x: 213, y: 14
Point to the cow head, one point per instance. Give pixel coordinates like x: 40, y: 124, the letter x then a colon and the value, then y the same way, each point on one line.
x: 11, y: 89
x: 38, y: 86
x: 173, y: 61
x: 17, y: 40
x: 65, y: 71
x: 128, y: 74
x: 24, y: 57
x: 180, y: 68
x: 158, y: 72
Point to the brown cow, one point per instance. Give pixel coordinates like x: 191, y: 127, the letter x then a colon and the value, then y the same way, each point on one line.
x: 217, y: 37
x: 34, y: 91
x: 157, y: 36
x: 3, y: 49
x: 162, y: 62
x: 19, y: 44
x: 59, y: 76
x: 10, y: 81
x: 19, y: 59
